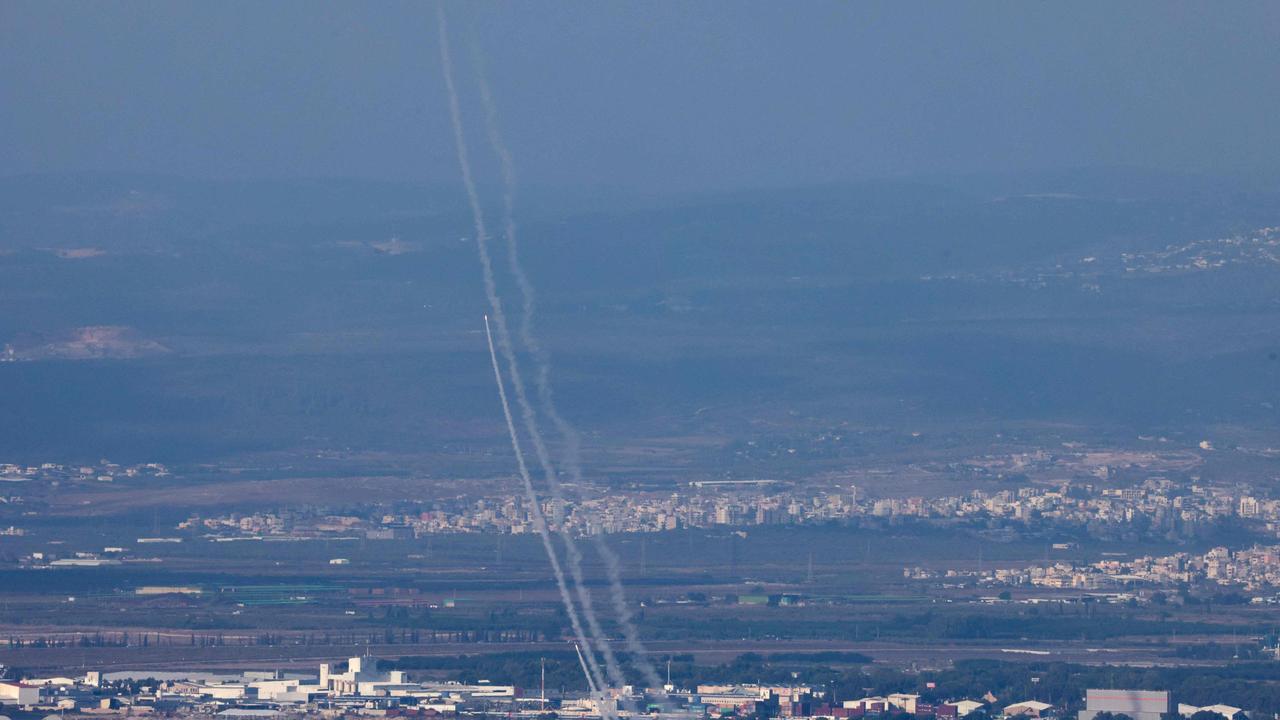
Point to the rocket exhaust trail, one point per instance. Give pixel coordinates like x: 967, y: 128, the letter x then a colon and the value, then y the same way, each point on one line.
x: 595, y: 691
x: 495, y: 304
x: 527, y: 413
x: 539, y: 520
x: 573, y: 555
x: 571, y: 454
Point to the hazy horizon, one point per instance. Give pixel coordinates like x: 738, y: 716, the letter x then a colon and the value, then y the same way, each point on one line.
x: 641, y: 98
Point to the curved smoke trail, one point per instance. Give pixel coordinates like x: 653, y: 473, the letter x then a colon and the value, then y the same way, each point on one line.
x: 571, y: 456
x: 495, y: 304
x: 539, y: 519
x: 572, y: 442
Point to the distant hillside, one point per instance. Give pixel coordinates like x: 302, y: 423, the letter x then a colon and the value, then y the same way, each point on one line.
x: 294, y: 316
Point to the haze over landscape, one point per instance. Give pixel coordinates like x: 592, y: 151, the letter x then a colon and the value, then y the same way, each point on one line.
x: 925, y: 351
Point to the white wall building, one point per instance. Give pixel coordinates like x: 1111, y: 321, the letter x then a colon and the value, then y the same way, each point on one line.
x: 17, y: 693
x: 362, y: 678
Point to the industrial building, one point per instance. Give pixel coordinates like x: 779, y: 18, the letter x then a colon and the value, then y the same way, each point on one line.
x: 17, y: 693
x: 1137, y: 704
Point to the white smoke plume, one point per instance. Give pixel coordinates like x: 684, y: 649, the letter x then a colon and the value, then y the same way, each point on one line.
x: 542, y: 372
x: 571, y: 456
x: 495, y: 304
x: 595, y: 691
x: 539, y: 519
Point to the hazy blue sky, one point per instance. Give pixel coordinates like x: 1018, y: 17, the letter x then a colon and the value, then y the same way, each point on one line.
x: 641, y: 95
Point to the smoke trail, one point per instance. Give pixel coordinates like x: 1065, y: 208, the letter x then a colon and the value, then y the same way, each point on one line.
x: 573, y: 555
x: 495, y: 304
x: 571, y: 456
x: 595, y: 691
x: 527, y: 413
x: 539, y: 520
